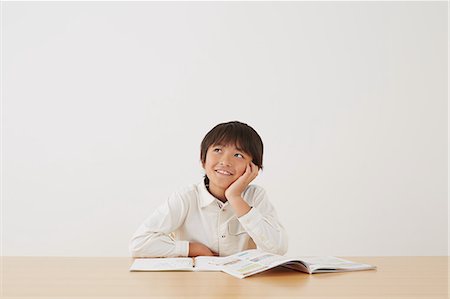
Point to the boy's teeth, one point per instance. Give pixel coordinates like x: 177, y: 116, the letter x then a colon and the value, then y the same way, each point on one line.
x: 223, y: 172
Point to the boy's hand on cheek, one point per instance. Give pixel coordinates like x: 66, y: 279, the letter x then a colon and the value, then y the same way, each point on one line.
x: 236, y: 188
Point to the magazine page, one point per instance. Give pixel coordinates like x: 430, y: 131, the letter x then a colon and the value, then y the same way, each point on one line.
x: 250, y: 262
x: 162, y: 264
x: 208, y: 263
x: 319, y: 264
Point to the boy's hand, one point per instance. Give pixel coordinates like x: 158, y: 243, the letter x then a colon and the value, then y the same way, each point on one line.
x: 236, y: 189
x: 196, y: 249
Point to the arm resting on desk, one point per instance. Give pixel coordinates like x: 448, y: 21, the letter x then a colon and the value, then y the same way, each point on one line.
x: 152, y: 239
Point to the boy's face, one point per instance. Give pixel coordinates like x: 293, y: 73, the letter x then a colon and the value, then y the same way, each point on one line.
x: 224, y: 165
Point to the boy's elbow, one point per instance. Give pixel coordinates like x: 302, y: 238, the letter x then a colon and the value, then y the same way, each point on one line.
x: 152, y: 245
x: 279, y: 246
x: 138, y: 247
x: 134, y: 249
x: 282, y: 247
x: 134, y: 253
x: 279, y: 250
x: 284, y: 244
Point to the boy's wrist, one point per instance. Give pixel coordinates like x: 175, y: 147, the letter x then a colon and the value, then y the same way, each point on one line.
x: 182, y: 248
x: 234, y: 197
x: 239, y: 205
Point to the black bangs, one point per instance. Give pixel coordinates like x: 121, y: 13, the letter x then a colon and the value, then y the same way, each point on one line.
x: 233, y: 135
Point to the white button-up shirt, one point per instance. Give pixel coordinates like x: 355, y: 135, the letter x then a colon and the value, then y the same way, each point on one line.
x: 194, y: 215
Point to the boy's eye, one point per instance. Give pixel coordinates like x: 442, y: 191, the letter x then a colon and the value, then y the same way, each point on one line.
x: 241, y: 156
x: 217, y: 149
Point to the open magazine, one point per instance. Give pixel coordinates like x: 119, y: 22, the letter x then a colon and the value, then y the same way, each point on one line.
x: 247, y: 263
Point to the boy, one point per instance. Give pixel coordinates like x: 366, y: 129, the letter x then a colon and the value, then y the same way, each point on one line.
x: 223, y: 214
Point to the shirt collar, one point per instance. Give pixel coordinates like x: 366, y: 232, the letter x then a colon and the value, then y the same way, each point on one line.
x: 205, y: 197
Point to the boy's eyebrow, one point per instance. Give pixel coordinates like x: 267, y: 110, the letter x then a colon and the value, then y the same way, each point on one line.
x: 220, y: 144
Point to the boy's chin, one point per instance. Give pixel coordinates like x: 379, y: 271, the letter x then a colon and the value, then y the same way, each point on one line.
x: 225, y: 185
x: 223, y: 181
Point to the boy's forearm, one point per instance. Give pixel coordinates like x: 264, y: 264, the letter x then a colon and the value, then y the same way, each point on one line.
x: 151, y: 244
x: 239, y: 205
x: 265, y: 230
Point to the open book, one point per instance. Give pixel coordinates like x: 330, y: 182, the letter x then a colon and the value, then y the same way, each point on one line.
x: 199, y: 263
x: 247, y: 263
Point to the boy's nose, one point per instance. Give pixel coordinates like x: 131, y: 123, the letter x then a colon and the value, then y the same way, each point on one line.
x: 225, y: 162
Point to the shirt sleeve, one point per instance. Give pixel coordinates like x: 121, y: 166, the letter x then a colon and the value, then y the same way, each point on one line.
x: 153, y: 238
x: 262, y: 224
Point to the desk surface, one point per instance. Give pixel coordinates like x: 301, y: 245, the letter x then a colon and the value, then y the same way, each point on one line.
x: 96, y: 277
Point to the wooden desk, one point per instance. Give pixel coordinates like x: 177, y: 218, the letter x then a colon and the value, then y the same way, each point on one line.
x: 93, y: 277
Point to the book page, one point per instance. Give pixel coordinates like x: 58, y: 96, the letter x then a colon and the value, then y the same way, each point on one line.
x: 264, y: 258
x: 250, y: 262
x: 333, y: 264
x: 162, y: 264
x: 208, y: 263
x: 242, y: 268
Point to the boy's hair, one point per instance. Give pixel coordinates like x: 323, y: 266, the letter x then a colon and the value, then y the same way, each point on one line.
x: 234, y: 132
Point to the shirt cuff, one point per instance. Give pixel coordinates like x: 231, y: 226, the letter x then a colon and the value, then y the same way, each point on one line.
x: 182, y: 248
x: 251, y: 220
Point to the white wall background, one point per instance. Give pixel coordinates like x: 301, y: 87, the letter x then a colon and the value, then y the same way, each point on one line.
x: 104, y: 106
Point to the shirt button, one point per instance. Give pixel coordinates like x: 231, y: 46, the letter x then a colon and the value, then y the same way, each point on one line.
x: 223, y: 210
x: 223, y: 236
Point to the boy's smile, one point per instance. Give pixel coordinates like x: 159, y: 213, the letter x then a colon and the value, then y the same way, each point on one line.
x: 223, y: 166
x: 223, y: 172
